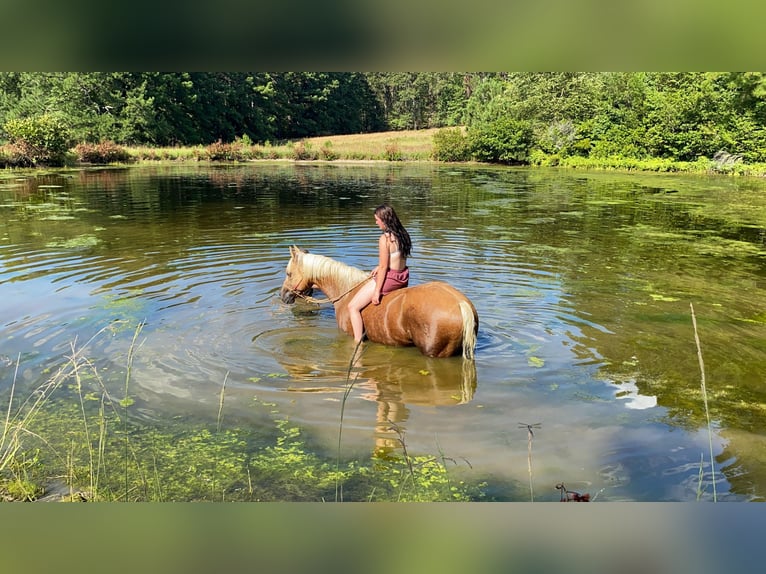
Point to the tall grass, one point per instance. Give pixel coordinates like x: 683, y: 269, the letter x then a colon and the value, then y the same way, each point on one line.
x: 355, y: 356
x: 530, y: 436
x: 704, y: 399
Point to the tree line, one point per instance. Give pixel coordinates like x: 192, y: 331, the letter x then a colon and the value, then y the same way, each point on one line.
x: 504, y: 117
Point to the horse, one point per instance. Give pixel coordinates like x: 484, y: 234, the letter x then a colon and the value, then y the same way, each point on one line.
x: 435, y: 317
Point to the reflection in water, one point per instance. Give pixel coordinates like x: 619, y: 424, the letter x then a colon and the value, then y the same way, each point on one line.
x: 393, y: 388
x: 393, y: 378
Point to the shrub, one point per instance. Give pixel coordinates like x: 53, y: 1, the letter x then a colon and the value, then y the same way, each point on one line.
x: 558, y: 137
x: 724, y: 162
x: 392, y: 152
x: 41, y: 139
x: 303, y: 151
x: 327, y: 152
x: 12, y: 155
x: 504, y: 140
x: 220, y: 151
x: 450, y: 144
x: 102, y: 153
x: 538, y: 157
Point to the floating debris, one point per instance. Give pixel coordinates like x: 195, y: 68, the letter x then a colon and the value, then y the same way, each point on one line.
x: 571, y: 495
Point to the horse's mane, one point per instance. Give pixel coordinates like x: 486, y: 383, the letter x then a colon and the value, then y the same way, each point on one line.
x: 318, y: 266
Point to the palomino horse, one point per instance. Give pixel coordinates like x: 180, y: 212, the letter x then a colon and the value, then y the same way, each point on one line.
x: 435, y: 317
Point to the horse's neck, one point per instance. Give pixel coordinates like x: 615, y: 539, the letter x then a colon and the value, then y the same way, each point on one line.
x: 333, y: 277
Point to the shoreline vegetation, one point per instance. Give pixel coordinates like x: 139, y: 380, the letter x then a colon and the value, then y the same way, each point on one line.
x: 426, y: 145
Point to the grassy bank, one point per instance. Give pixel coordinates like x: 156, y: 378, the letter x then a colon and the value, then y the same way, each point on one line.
x: 407, y: 145
x: 418, y: 145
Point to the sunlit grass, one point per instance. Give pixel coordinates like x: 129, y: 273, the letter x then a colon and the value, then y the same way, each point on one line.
x: 411, y: 144
x: 407, y: 145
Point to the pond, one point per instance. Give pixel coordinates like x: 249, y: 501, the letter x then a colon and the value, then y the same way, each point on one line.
x: 587, y: 371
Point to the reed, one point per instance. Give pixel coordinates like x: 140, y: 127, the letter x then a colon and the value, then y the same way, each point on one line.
x: 220, y: 402
x: 530, y: 436
x: 75, y: 362
x: 127, y: 401
x: 355, y: 356
x: 8, y: 443
x: 703, y: 386
x: 16, y: 424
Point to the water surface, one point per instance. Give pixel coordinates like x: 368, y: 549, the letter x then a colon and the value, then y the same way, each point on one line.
x: 583, y: 283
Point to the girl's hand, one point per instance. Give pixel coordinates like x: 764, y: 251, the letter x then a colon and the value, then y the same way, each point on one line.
x: 376, y: 298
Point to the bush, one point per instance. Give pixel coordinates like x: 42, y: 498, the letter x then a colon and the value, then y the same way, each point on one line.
x: 303, y: 151
x: 450, y: 144
x: 392, y: 152
x: 558, y: 138
x: 12, y: 155
x: 327, y: 152
x: 40, y: 139
x: 538, y: 157
x: 102, y: 153
x: 504, y: 140
x: 220, y: 151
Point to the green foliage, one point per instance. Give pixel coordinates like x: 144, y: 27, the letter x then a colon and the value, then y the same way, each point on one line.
x: 392, y: 152
x: 504, y: 140
x: 419, y: 100
x: 640, y: 115
x: 450, y: 144
x: 327, y: 153
x: 44, y: 140
x: 558, y: 137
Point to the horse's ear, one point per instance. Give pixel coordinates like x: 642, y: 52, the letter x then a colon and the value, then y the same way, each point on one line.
x: 296, y: 252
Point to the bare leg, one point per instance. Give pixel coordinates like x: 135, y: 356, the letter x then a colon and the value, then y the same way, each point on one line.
x: 362, y: 298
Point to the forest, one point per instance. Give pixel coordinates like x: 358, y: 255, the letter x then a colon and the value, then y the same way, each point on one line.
x: 541, y: 118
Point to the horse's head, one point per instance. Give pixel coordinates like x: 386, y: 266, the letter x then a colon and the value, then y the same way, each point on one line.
x: 295, y: 283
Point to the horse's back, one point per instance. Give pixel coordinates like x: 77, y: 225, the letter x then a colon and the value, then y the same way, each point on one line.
x: 427, y: 315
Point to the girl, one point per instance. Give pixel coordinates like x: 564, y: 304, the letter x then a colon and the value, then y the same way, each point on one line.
x: 391, y: 273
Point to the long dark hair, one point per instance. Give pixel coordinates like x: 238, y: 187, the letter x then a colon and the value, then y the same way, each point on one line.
x: 389, y: 218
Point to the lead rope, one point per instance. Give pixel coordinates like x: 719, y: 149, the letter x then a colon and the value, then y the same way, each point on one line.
x: 311, y: 299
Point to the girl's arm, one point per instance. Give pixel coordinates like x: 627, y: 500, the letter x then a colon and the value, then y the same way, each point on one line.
x: 380, y: 275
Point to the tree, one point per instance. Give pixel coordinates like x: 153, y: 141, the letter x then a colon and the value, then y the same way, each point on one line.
x: 505, y: 140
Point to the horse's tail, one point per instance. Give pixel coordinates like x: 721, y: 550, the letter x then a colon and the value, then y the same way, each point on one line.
x: 469, y: 329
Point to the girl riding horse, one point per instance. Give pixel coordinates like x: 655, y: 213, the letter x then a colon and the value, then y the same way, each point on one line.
x: 392, y: 273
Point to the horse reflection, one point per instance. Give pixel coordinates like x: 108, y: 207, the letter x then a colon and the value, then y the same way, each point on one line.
x: 396, y: 379
x: 394, y: 388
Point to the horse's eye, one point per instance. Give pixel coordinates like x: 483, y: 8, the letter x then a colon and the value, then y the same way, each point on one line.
x: 289, y: 274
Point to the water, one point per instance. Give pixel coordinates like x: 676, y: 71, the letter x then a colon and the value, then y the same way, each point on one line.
x: 582, y: 281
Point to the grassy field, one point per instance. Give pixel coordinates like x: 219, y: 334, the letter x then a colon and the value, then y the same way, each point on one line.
x: 408, y: 145
x: 411, y: 144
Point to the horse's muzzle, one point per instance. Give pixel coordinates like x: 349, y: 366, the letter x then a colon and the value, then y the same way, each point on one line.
x: 289, y: 295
